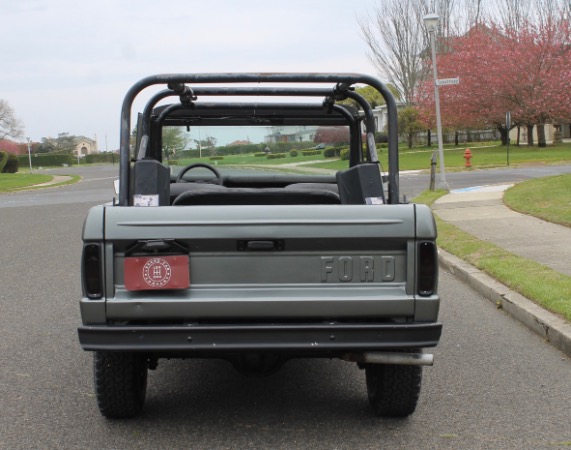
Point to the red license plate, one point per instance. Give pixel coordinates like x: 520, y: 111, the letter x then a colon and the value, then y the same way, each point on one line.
x: 157, y: 272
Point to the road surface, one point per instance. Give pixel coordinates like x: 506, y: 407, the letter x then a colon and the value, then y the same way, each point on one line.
x: 494, y: 385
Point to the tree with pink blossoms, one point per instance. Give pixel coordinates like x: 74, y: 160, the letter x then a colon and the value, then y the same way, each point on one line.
x: 525, y: 71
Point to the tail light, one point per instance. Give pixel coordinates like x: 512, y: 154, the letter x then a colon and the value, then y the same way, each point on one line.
x: 427, y: 268
x: 91, y: 271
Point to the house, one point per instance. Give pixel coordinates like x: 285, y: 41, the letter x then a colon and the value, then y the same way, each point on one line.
x: 520, y: 135
x: 382, y: 117
x: 304, y: 133
x: 84, y: 146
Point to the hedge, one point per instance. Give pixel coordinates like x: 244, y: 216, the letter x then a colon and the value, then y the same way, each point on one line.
x: 330, y: 152
x: 11, y: 165
x: 3, y: 160
x: 216, y: 158
x: 106, y: 157
x: 276, y: 155
x: 310, y: 152
x: 47, y: 160
x: 293, y: 153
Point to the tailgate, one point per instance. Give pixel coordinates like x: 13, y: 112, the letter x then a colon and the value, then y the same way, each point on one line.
x: 268, y: 262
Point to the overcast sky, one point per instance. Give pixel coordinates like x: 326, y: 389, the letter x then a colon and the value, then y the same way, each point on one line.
x: 66, y: 64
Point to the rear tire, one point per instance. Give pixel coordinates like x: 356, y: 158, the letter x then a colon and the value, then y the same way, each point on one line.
x: 120, y: 380
x: 393, y: 390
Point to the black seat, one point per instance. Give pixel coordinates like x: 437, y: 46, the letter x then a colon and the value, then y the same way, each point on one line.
x: 314, y: 186
x: 178, y: 188
x: 253, y: 196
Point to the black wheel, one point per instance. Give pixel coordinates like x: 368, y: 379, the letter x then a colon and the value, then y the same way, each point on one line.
x: 120, y: 380
x: 393, y: 390
x: 217, y: 174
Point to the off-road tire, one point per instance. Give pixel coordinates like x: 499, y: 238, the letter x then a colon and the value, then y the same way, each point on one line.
x: 393, y: 390
x: 120, y: 380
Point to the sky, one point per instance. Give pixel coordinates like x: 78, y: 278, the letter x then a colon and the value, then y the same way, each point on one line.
x: 67, y: 64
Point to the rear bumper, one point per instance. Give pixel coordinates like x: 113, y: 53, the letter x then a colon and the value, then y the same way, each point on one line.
x: 311, y: 339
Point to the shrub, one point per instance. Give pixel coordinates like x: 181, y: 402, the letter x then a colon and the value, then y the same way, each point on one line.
x: 3, y: 160
x: 344, y: 154
x: 172, y: 162
x: 216, y: 158
x: 310, y: 152
x: 330, y: 152
x: 12, y: 164
x: 276, y: 155
x: 260, y: 154
x: 184, y: 154
x: 293, y: 153
x: 381, y: 138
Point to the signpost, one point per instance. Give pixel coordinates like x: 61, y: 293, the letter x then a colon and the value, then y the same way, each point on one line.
x: 29, y: 155
x: 508, y: 126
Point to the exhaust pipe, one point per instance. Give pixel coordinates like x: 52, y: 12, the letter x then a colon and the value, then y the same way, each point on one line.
x: 405, y: 359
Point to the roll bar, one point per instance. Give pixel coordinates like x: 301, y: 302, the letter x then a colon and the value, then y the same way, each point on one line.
x: 342, y: 88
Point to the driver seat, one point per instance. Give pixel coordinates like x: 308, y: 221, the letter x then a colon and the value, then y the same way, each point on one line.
x: 179, y: 188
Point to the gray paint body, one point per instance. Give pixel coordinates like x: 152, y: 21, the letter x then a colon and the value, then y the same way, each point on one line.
x: 339, y: 262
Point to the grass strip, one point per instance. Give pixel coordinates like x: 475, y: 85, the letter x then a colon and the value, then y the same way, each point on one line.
x: 541, y: 284
x: 547, y: 198
x: 10, y: 182
x: 418, y: 158
x: 15, y: 181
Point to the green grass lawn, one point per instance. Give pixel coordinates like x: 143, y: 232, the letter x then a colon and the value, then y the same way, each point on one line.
x: 15, y: 181
x: 250, y: 159
x: 543, y: 285
x: 547, y: 198
x: 419, y: 158
x: 482, y: 157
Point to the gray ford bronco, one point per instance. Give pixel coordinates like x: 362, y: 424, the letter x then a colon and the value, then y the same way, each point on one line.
x: 243, y: 253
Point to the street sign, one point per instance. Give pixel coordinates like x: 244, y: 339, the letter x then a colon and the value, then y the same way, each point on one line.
x: 447, y: 81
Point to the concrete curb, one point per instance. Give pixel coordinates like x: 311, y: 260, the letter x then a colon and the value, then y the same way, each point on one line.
x: 550, y: 327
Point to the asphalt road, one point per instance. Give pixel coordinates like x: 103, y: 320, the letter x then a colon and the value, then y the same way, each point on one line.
x: 494, y: 385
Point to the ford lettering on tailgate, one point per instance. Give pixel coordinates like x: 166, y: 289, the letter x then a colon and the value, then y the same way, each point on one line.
x: 357, y: 269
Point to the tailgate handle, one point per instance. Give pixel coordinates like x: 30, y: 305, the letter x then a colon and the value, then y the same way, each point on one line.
x: 259, y: 245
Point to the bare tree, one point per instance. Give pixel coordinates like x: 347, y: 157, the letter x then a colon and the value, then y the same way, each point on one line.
x: 9, y: 124
x: 548, y: 11
x: 398, y: 42
x: 396, y: 39
x: 513, y: 13
x: 566, y: 6
x: 446, y: 10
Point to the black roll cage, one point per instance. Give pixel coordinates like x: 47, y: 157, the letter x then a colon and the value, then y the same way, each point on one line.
x: 190, y: 111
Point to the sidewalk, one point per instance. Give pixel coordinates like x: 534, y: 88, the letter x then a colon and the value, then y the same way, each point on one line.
x: 56, y: 180
x: 480, y: 211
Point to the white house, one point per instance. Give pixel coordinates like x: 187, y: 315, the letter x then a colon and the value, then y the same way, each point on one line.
x: 291, y: 134
x: 382, y: 117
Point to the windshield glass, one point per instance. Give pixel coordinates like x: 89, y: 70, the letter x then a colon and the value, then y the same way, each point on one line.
x: 293, y: 149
